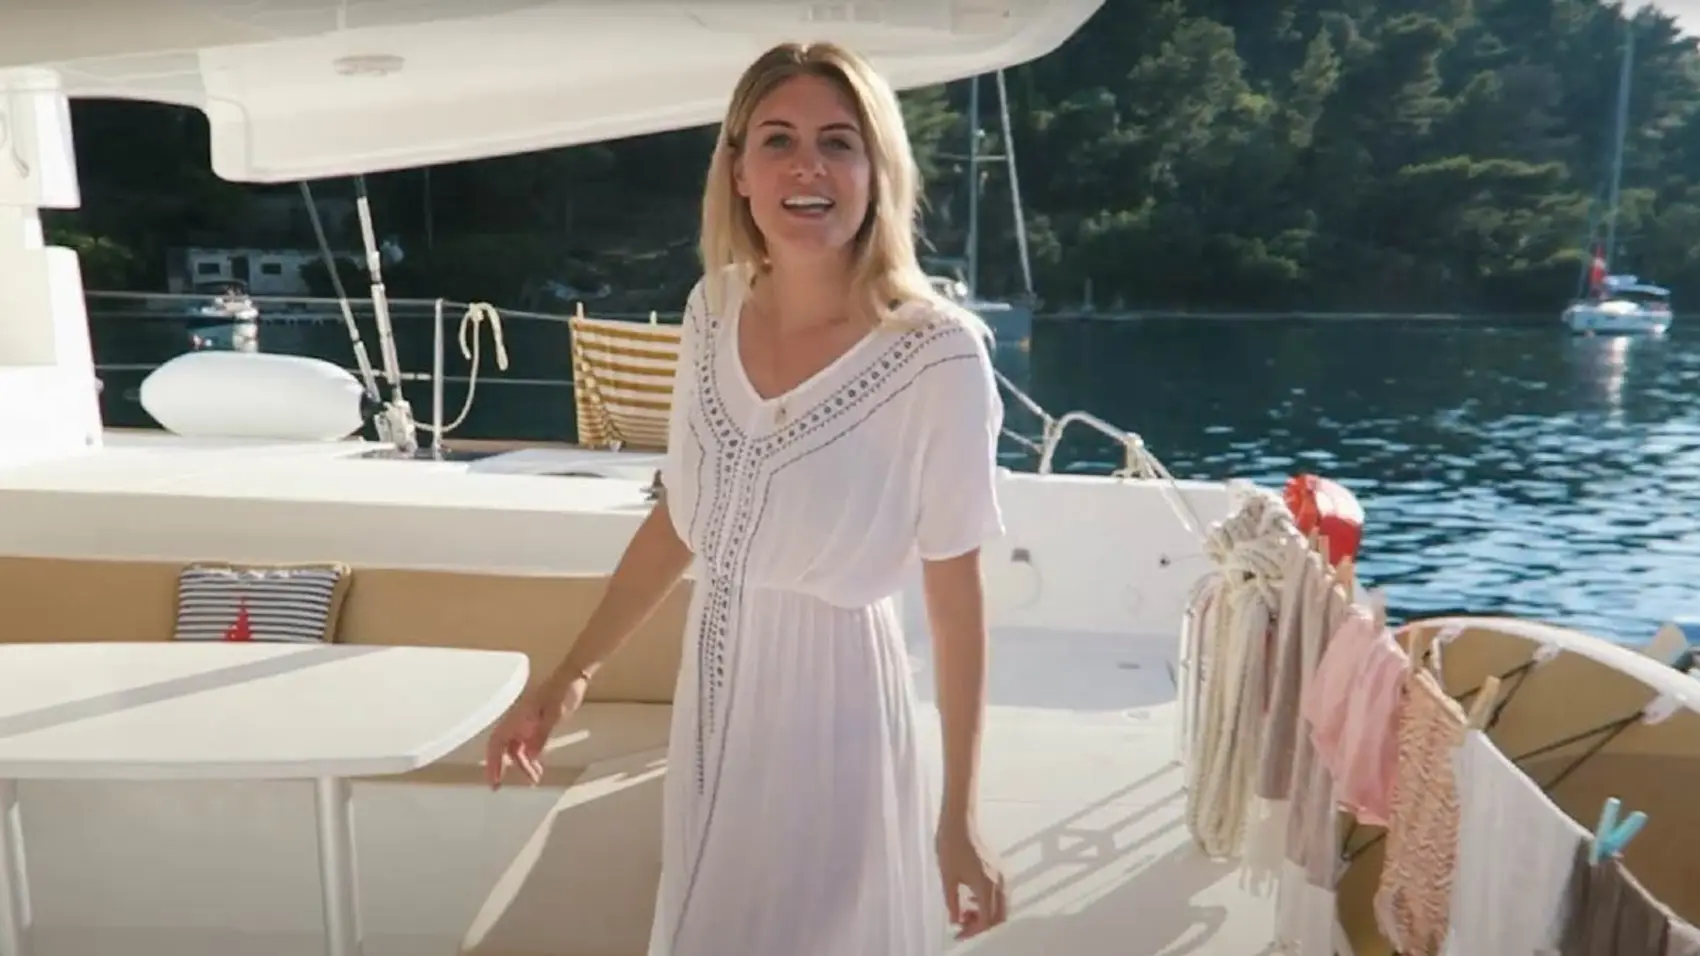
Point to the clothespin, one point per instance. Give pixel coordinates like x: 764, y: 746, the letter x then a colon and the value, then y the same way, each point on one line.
x: 1610, y: 837
x: 1482, y: 706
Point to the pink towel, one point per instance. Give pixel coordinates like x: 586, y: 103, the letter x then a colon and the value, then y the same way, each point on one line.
x: 1353, y: 708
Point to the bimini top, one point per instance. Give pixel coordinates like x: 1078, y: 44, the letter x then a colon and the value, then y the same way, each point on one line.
x: 1633, y: 285
x: 301, y: 89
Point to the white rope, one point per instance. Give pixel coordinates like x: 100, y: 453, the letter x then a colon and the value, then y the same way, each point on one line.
x: 1227, y: 647
x: 476, y: 314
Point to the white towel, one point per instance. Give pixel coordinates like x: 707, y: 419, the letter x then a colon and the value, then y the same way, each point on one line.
x: 1684, y: 939
x: 1516, y: 851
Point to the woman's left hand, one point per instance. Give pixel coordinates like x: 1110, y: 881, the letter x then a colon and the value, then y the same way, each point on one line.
x: 966, y: 864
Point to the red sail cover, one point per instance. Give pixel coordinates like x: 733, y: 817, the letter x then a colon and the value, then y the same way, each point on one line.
x: 1330, y: 510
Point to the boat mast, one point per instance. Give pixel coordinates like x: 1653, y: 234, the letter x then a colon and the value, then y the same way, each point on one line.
x: 1014, y: 188
x: 1622, y: 134
x: 974, y: 186
x: 974, y: 159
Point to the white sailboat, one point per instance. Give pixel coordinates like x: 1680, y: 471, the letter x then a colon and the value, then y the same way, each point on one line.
x: 1011, y: 322
x: 1623, y: 306
x: 1618, y: 304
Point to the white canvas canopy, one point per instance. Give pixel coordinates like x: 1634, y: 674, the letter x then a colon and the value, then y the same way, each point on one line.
x: 301, y: 89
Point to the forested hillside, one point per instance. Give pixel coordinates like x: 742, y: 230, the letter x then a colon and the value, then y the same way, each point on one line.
x: 1188, y: 154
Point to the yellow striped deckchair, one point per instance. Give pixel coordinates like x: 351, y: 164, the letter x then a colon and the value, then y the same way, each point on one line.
x: 623, y: 381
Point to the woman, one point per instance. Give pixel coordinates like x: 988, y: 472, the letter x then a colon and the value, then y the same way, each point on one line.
x: 832, y: 420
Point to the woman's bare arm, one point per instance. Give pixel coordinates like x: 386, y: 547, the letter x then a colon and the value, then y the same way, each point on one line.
x: 651, y: 565
x: 956, y: 612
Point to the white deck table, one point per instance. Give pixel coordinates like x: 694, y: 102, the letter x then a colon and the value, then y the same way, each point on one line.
x: 236, y: 711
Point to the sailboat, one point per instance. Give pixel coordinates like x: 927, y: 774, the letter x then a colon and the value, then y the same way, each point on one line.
x: 1011, y: 322
x: 1618, y: 304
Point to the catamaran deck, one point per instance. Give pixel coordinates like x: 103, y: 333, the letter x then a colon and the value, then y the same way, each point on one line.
x: 1082, y: 798
x: 1082, y: 790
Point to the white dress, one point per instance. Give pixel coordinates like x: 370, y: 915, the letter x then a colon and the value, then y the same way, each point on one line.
x: 799, y: 816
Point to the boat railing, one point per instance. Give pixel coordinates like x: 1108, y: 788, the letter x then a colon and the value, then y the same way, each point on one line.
x: 279, y: 313
x: 1138, y: 461
x: 177, y: 313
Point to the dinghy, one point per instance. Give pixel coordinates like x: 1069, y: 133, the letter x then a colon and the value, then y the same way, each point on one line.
x: 1586, y: 719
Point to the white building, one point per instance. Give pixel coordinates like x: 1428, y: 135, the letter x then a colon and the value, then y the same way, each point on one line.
x: 265, y: 272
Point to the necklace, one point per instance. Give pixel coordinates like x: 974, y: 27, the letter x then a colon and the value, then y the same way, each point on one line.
x: 779, y: 401
x: 776, y: 363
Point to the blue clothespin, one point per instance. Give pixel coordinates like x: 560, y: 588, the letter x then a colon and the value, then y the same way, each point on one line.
x: 1610, y: 837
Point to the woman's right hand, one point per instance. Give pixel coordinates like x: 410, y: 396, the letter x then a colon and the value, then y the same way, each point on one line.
x: 522, y: 734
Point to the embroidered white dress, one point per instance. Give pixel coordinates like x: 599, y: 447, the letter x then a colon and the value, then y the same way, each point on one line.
x: 798, y: 814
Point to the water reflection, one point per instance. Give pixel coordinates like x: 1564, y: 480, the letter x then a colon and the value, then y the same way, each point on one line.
x: 1600, y: 366
x: 1504, y: 469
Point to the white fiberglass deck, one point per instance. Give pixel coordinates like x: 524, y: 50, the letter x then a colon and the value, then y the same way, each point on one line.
x: 316, y: 501
x: 136, y: 462
x: 1082, y: 796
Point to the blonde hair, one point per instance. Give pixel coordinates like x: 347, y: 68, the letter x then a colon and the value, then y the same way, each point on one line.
x: 886, y: 272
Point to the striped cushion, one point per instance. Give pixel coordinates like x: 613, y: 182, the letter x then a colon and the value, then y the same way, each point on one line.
x: 296, y: 604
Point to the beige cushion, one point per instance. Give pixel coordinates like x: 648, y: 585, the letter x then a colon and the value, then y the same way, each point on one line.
x: 537, y: 614
x: 49, y: 599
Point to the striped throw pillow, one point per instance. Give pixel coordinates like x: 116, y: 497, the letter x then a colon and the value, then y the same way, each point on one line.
x: 296, y: 604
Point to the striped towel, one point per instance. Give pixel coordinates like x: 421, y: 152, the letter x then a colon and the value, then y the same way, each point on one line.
x: 623, y: 381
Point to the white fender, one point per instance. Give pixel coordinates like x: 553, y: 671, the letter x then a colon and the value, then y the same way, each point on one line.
x: 225, y: 394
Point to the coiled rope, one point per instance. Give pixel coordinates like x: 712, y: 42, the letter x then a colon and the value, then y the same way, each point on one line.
x: 1226, y: 656
x: 471, y: 349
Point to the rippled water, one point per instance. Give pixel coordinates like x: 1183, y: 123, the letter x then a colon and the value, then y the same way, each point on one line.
x: 1503, y: 469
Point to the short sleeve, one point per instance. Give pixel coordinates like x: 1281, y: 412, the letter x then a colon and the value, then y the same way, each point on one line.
x: 684, y: 389
x: 958, y: 508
